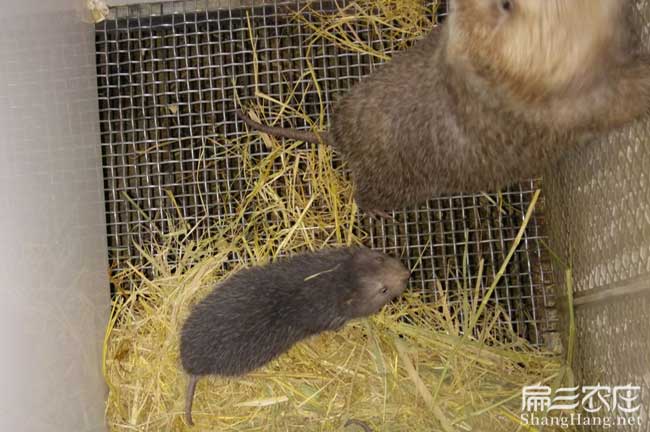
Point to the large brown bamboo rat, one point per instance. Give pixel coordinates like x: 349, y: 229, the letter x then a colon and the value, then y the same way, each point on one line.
x: 488, y: 98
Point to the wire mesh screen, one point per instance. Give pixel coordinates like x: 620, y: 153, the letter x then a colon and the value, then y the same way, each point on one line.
x: 168, y: 74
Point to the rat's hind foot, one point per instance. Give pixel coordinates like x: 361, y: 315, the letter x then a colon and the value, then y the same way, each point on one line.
x: 376, y: 214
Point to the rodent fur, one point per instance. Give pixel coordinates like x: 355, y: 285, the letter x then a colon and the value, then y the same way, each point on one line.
x: 260, y: 312
x: 492, y: 96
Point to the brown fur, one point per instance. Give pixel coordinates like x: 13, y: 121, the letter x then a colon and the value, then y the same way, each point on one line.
x: 489, y: 98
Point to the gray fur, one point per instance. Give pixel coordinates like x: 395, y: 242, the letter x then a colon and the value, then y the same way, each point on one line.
x: 259, y: 313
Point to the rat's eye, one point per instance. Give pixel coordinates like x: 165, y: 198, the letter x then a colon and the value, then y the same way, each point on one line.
x: 506, y: 5
x: 384, y: 290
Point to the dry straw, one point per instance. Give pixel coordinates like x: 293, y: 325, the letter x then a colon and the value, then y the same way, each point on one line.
x: 451, y: 365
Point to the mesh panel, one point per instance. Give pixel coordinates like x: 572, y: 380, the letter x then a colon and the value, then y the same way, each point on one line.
x: 599, y: 216
x: 613, y: 349
x: 601, y: 209
x: 165, y: 78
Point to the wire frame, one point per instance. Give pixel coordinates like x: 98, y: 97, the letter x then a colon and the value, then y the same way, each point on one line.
x: 165, y: 80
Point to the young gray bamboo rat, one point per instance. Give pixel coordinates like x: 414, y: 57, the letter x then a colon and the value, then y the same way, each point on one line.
x: 259, y: 313
x: 490, y: 97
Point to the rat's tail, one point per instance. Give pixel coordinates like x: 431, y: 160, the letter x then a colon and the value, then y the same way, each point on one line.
x: 189, y: 398
x: 293, y: 134
x: 359, y: 423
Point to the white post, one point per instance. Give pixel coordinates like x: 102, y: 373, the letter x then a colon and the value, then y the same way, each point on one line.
x: 54, y: 298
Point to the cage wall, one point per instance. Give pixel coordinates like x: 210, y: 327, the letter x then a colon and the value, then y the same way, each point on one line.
x: 168, y: 75
x: 599, y: 219
x: 55, y: 301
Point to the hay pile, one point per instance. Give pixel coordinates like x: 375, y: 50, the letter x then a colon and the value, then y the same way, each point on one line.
x: 361, y: 25
x: 455, y: 364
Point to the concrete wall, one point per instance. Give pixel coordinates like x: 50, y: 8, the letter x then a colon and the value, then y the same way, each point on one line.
x: 53, y: 276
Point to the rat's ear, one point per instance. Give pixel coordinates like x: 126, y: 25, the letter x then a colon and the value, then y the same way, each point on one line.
x: 345, y: 302
x: 363, y: 254
x: 373, y: 286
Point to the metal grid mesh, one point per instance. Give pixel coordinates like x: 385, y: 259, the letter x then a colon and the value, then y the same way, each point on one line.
x: 599, y: 218
x: 600, y: 195
x: 165, y: 78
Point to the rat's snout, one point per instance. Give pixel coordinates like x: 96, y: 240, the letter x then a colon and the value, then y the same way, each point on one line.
x: 401, y: 281
x: 404, y: 275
